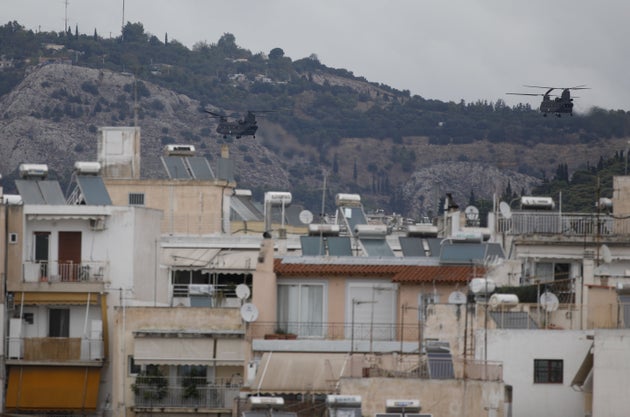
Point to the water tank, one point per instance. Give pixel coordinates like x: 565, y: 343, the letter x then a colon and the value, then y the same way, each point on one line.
x: 537, y: 203
x: 343, y: 400
x: 503, y: 300
x: 242, y: 193
x: 480, y: 286
x: 342, y: 199
x: 278, y: 198
x: 33, y: 170
x: 87, y: 168
x: 315, y: 229
x: 179, y: 150
x: 422, y: 230
x: 370, y: 230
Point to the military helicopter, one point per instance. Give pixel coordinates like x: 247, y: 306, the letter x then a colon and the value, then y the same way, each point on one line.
x: 557, y: 105
x: 247, y: 126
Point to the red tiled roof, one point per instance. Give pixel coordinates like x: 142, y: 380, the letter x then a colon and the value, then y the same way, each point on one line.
x: 398, y: 273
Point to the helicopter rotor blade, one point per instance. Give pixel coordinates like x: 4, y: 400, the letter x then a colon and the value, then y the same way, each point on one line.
x: 525, y: 94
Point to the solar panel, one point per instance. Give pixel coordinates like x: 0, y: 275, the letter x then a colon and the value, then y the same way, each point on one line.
x: 275, y: 413
x: 339, y: 246
x: 494, y: 250
x: 462, y: 252
x: 225, y: 169
x: 376, y: 247
x: 175, y: 167
x: 200, y: 167
x: 411, y: 246
x: 93, y: 190
x: 40, y: 192
x: 344, y: 412
x: 435, y: 246
x: 354, y: 216
x: 513, y: 320
x: 312, y: 246
x: 243, y: 209
x: 51, y: 191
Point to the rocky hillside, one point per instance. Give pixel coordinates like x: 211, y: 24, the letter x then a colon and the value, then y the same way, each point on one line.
x: 53, y: 115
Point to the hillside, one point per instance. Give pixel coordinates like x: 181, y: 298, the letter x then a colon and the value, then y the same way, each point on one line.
x: 52, y: 117
x: 402, y: 153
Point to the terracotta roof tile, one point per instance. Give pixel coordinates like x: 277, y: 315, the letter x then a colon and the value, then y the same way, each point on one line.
x: 397, y: 273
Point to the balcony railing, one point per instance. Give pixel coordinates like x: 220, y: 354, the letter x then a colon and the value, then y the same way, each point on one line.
x: 184, y: 393
x: 568, y: 224
x: 54, y: 349
x: 54, y: 271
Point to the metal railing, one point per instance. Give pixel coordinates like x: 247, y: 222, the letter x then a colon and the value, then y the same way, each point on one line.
x: 158, y: 392
x: 54, y: 271
x: 568, y: 224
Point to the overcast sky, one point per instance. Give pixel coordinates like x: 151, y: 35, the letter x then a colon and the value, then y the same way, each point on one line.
x: 439, y: 49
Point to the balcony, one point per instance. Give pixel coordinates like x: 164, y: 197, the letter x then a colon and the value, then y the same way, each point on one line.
x: 566, y: 224
x: 160, y: 393
x: 54, y: 349
x: 53, y: 271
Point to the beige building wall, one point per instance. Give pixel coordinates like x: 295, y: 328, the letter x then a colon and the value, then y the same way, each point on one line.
x: 189, y: 206
x: 443, y: 398
x: 128, y: 320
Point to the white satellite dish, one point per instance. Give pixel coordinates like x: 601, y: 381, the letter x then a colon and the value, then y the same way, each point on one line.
x: 249, y: 312
x: 549, y: 301
x: 306, y: 217
x: 242, y: 291
x: 457, y: 297
x: 606, y: 255
x: 472, y: 213
x: 505, y: 210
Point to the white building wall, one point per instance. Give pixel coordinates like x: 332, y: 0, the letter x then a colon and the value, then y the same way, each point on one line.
x: 611, y: 373
x: 517, y: 349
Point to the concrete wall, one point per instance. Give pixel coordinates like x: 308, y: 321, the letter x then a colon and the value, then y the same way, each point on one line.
x: 442, y: 398
x: 188, y: 206
x: 611, y: 373
x: 517, y: 349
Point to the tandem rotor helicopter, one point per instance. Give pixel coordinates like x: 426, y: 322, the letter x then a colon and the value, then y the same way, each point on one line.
x: 247, y: 126
x: 557, y: 105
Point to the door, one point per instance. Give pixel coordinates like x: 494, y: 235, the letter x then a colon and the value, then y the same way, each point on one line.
x: 69, y: 255
x: 42, y: 249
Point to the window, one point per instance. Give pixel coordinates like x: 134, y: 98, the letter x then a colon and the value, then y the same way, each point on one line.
x: 301, y: 308
x: 133, y: 368
x: 548, y: 371
x: 59, y: 322
x: 136, y: 199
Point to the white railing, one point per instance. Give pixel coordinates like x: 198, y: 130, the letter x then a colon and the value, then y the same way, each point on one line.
x: 571, y: 224
x: 54, y: 271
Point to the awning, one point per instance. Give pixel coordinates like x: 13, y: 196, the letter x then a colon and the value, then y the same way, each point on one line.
x: 188, y: 258
x: 294, y: 373
x: 188, y: 349
x: 65, y: 298
x: 52, y: 388
x: 585, y: 370
x: 230, y: 351
x: 174, y: 351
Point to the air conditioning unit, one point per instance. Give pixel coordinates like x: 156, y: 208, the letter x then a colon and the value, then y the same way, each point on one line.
x: 97, y: 224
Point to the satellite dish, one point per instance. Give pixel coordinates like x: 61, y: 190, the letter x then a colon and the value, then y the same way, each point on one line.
x: 242, y: 291
x: 249, y: 312
x: 505, y: 210
x: 457, y: 297
x: 472, y: 213
x: 549, y: 301
x: 306, y: 217
x: 606, y: 255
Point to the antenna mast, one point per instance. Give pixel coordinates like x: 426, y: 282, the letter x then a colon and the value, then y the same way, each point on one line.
x: 122, y: 27
x: 65, y: 20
